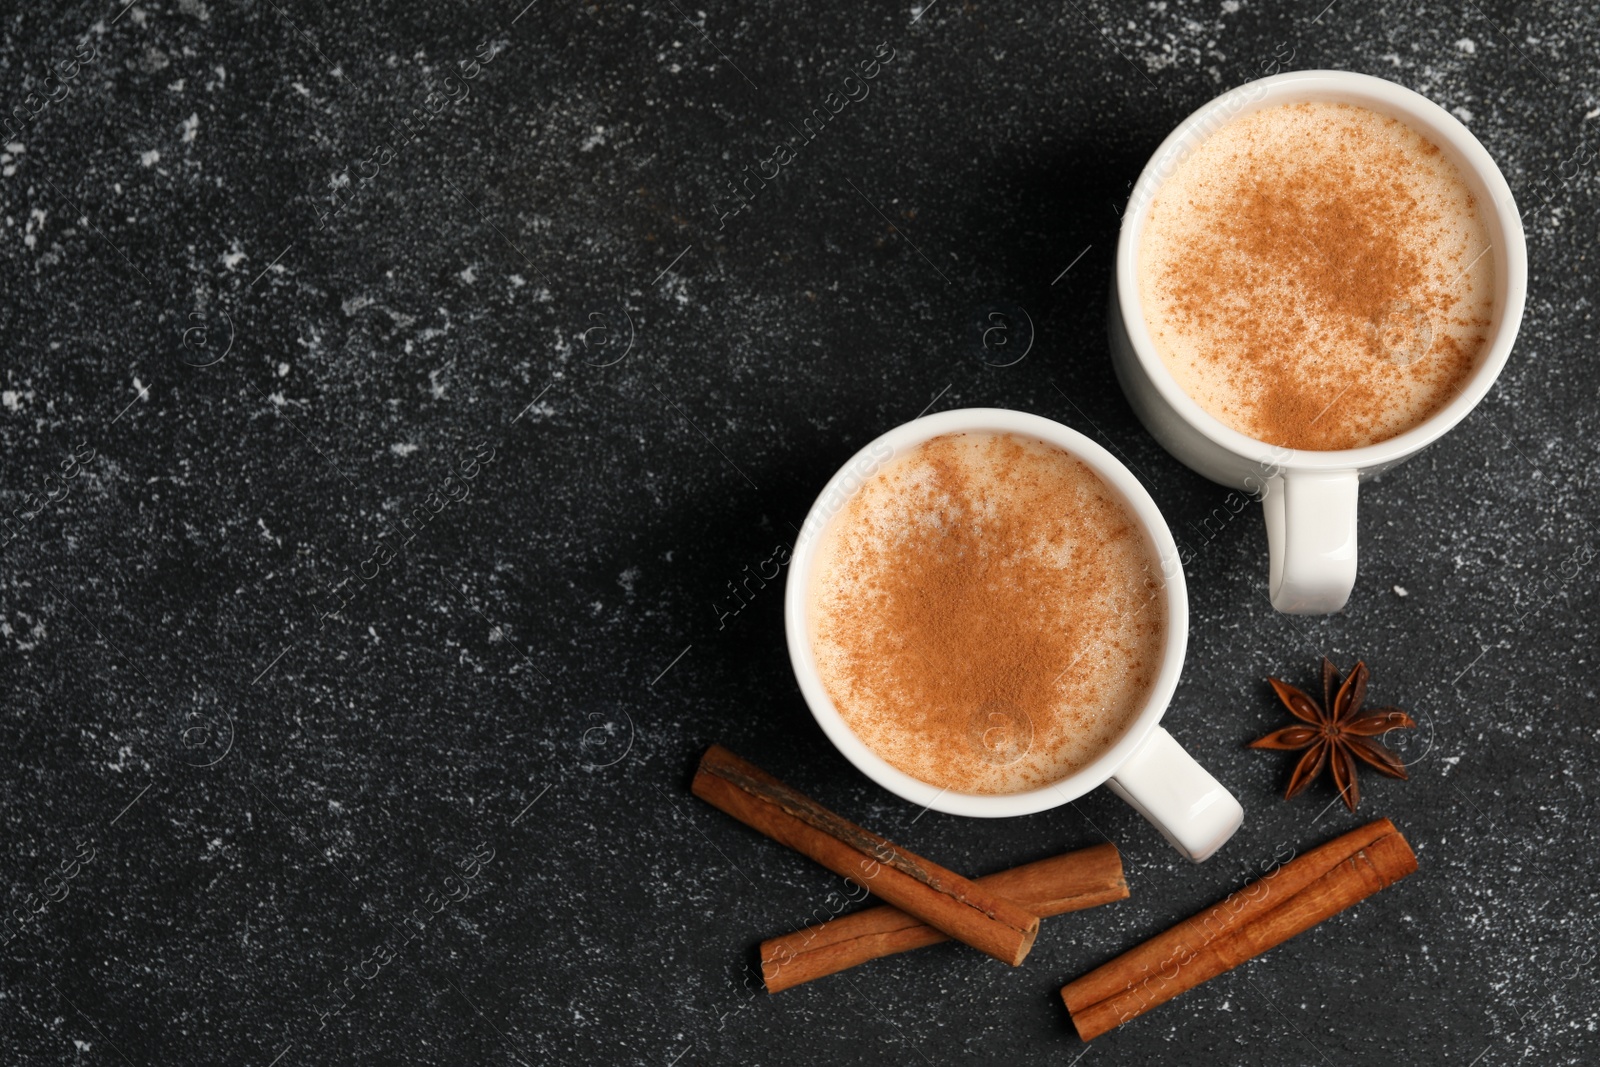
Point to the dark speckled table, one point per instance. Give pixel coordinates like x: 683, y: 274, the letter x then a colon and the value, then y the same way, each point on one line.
x: 391, y: 393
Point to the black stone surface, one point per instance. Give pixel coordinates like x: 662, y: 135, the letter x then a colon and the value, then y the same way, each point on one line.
x: 221, y: 804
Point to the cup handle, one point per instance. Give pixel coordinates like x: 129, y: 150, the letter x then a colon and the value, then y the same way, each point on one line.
x: 1179, y: 797
x: 1311, y: 540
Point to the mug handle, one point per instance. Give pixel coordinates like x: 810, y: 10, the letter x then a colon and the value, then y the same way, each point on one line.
x: 1180, y: 798
x: 1311, y: 540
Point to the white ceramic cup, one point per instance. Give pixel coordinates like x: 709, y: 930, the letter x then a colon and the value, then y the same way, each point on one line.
x: 1308, y: 497
x: 1146, y: 767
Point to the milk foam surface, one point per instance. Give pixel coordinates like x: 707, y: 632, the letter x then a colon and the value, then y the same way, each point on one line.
x: 986, y: 613
x: 1317, y: 276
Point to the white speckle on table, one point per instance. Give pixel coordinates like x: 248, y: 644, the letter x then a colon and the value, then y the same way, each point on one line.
x: 1467, y: 45
x: 1400, y: 590
x: 535, y: 412
x: 1464, y: 114
x: 402, y: 448
x: 149, y: 158
x: 35, y: 216
x: 190, y: 126
x: 11, y: 399
x: 468, y: 275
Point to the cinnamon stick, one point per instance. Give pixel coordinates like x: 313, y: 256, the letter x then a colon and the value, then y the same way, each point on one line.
x: 980, y: 917
x: 1265, y: 913
x: 1069, y: 882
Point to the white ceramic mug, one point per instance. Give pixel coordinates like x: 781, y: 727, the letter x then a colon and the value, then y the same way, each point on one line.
x: 1309, y: 497
x: 1146, y: 767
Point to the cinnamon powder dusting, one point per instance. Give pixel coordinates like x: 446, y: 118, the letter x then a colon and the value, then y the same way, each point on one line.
x: 1317, y: 276
x: 987, y: 614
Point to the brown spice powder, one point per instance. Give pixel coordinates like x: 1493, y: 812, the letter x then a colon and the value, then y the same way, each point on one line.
x: 996, y: 616
x: 1317, y: 285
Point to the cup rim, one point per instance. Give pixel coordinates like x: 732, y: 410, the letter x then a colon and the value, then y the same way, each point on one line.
x: 1114, y: 473
x: 1502, y: 217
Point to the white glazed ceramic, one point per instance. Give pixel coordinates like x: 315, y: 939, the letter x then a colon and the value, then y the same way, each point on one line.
x: 1309, y: 498
x: 1145, y: 766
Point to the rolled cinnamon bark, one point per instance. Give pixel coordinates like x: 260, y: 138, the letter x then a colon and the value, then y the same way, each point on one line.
x: 1069, y: 882
x: 1265, y: 913
x: 944, y: 900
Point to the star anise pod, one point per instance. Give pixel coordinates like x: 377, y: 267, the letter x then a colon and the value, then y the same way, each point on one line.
x: 1337, y: 733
